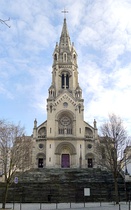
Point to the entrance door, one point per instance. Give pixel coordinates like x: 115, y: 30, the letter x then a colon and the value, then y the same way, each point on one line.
x: 90, y: 163
x: 65, y: 161
x: 40, y: 163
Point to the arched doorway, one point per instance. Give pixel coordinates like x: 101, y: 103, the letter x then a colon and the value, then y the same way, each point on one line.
x: 90, y: 160
x: 66, y: 152
x: 41, y: 160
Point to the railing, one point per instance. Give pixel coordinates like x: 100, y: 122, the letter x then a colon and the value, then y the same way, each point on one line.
x: 42, y: 136
x: 70, y: 205
x: 88, y: 136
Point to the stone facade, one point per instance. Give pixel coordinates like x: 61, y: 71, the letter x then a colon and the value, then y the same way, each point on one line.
x: 126, y: 162
x: 64, y: 140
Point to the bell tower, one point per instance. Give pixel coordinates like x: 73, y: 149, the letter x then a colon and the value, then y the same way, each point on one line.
x: 65, y: 69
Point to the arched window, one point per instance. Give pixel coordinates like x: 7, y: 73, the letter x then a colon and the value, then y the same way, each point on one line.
x: 79, y: 108
x: 64, y: 57
x: 50, y: 108
x: 65, y: 125
x: 88, y: 133
x: 65, y: 81
x: 55, y: 57
x: 62, y: 81
x: 42, y: 132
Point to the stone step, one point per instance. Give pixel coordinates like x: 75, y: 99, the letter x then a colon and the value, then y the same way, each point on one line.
x: 61, y: 185
x: 46, y: 175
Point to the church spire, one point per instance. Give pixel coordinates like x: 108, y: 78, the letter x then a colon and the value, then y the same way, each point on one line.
x: 65, y: 38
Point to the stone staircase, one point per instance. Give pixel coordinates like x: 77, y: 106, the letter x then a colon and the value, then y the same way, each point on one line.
x: 79, y: 175
x: 64, y: 185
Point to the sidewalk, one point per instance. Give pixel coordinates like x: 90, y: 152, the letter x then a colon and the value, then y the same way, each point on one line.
x: 68, y: 206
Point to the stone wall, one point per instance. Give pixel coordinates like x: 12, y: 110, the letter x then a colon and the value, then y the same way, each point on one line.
x: 58, y: 185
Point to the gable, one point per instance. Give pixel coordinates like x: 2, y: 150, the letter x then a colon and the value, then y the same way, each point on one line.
x: 65, y: 98
x: 44, y: 124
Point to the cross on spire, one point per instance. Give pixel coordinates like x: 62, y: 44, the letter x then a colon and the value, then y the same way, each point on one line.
x: 64, y: 11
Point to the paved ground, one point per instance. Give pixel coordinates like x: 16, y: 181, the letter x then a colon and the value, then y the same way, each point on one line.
x: 68, y: 206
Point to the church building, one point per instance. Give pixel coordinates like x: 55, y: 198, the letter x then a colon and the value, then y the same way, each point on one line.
x: 64, y: 140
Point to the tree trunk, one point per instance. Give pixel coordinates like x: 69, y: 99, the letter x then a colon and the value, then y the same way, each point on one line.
x: 5, y: 195
x: 116, y: 190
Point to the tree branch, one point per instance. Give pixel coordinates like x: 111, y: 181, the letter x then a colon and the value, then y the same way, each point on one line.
x: 4, y: 22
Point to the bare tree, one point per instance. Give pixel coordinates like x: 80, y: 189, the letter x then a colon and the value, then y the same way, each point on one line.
x: 111, y: 147
x: 5, y: 22
x: 13, y: 149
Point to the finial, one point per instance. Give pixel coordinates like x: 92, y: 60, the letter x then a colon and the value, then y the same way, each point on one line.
x: 64, y: 11
x: 94, y: 123
x: 35, y: 123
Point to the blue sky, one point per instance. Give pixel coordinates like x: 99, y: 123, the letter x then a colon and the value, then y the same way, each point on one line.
x: 101, y: 32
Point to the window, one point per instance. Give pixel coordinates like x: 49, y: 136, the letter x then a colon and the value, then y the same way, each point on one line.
x: 42, y: 132
x: 64, y: 57
x: 50, y: 108
x: 62, y: 84
x: 79, y: 108
x: 65, y: 81
x: 55, y: 57
x: 65, y: 104
x: 41, y: 146
x: 65, y: 125
x: 89, y: 146
x: 88, y: 133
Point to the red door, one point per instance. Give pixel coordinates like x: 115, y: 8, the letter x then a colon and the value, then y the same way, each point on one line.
x: 65, y: 161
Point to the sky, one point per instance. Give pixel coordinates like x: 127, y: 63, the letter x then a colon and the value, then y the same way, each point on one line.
x: 101, y: 32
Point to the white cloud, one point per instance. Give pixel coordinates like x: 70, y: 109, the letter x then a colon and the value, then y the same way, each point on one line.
x: 5, y: 92
x: 101, y: 31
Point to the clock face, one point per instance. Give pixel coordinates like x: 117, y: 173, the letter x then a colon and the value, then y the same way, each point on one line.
x: 65, y: 121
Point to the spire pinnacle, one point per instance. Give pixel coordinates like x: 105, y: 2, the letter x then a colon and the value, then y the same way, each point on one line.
x: 65, y: 39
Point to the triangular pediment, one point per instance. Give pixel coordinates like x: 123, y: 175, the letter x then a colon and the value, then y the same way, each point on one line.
x: 65, y: 97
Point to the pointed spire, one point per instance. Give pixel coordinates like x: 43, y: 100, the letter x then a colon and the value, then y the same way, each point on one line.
x: 35, y: 123
x: 64, y: 29
x: 95, y: 124
x: 65, y: 39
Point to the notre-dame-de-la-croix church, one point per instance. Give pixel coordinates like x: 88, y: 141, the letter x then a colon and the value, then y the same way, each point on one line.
x: 64, y: 140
